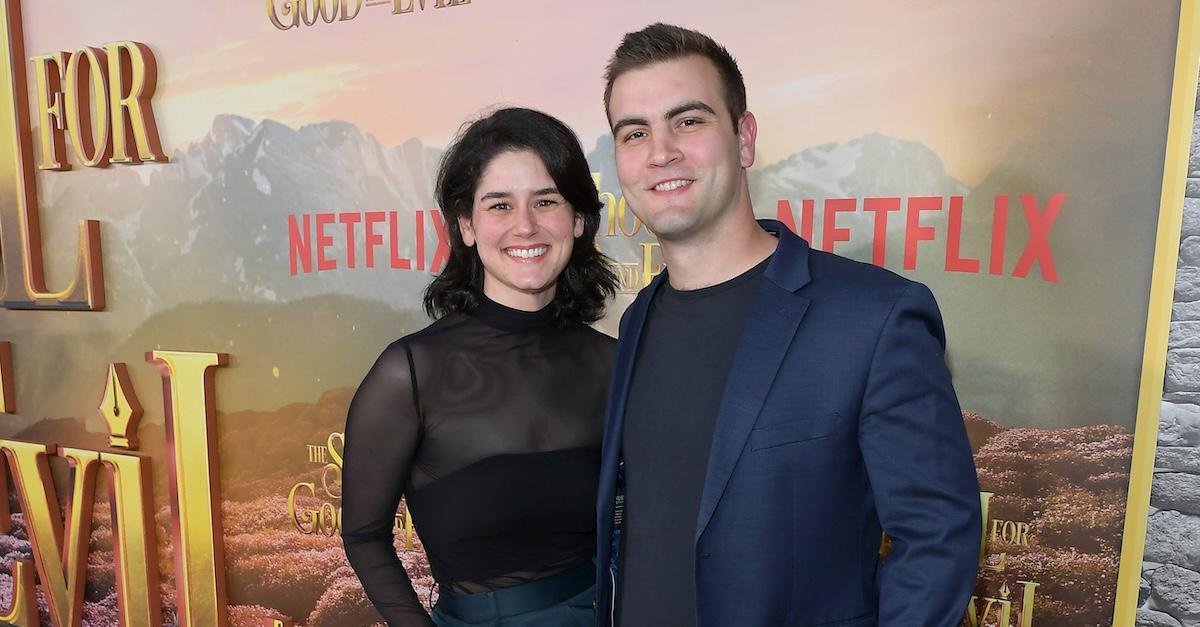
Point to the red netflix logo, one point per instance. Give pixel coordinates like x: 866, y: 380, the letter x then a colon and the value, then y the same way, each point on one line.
x: 362, y: 233
x: 1039, y: 220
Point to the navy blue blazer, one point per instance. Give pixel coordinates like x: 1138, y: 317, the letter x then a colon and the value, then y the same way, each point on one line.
x: 838, y: 422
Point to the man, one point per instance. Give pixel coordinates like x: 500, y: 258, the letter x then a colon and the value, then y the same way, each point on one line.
x: 773, y: 408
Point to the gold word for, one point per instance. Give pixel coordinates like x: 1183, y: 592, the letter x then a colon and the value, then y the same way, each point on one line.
x: 293, y: 13
x: 100, y: 99
x: 1010, y: 532
x: 60, y: 556
x: 1007, y: 531
x: 107, y: 105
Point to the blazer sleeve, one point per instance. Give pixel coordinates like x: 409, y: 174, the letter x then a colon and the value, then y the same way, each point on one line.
x: 922, y: 474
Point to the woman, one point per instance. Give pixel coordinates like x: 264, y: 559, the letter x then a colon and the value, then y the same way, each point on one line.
x: 489, y: 420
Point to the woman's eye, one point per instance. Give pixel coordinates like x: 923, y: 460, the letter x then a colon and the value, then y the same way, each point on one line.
x: 546, y: 202
x: 500, y: 206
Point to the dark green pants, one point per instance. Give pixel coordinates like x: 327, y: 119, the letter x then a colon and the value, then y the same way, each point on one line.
x: 561, y: 600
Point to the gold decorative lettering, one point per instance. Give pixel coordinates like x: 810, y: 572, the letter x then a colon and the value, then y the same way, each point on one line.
x: 47, y: 72
x: 87, y: 102
x: 134, y: 553
x: 61, y: 560
x: 288, y: 8
x: 22, y: 610
x: 610, y: 205
x: 335, y: 466
x: 621, y: 215
x: 409, y: 541
x: 20, y: 235
x: 189, y: 405
x: 120, y: 408
x: 8, y: 389
x: 132, y: 77
x: 650, y: 269
x: 1003, y: 612
x: 305, y: 521
x: 1025, y: 615
x: 985, y: 499
x: 289, y: 14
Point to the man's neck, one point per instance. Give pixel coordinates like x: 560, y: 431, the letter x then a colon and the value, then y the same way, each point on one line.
x: 719, y: 255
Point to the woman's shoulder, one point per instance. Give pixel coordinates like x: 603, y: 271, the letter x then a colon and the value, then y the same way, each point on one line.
x: 427, y: 337
x: 433, y: 330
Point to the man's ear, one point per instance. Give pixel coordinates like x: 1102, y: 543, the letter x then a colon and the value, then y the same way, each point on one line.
x: 747, y: 132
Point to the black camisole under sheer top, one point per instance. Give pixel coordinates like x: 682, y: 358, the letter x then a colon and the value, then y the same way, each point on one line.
x: 489, y: 423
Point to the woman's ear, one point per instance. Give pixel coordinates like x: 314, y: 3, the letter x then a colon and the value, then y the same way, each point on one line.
x: 468, y: 233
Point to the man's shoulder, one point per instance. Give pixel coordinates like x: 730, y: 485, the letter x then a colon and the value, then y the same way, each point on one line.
x: 839, y: 274
x: 859, y: 291
x: 819, y: 273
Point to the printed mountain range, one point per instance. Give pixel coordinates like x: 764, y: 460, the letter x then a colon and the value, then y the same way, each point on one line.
x: 212, y: 223
x: 197, y: 258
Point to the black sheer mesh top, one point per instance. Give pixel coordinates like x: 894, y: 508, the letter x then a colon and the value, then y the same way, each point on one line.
x: 489, y: 423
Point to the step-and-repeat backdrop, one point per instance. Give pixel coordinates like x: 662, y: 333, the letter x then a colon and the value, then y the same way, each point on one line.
x: 213, y: 219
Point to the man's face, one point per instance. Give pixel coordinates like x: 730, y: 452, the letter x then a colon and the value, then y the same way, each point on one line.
x: 680, y: 163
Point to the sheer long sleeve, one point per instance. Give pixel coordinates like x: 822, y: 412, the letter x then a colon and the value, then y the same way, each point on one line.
x: 488, y: 424
x: 382, y: 431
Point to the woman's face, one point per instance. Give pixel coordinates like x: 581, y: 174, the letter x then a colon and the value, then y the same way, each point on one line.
x: 523, y: 229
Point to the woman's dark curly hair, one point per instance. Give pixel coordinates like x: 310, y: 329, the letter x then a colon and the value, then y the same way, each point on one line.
x: 588, y: 278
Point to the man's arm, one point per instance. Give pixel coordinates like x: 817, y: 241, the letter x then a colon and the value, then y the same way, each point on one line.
x: 921, y: 470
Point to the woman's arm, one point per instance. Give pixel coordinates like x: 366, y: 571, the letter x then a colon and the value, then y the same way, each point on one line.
x: 382, y: 432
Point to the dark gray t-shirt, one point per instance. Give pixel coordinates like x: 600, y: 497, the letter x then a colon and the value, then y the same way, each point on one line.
x: 683, y: 359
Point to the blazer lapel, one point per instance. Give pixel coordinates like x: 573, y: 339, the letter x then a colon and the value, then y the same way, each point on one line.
x: 614, y: 419
x: 770, y: 326
x: 627, y: 349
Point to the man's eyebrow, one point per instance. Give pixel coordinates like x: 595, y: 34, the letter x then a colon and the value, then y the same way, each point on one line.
x: 491, y: 195
x: 629, y: 122
x: 546, y: 190
x: 689, y: 106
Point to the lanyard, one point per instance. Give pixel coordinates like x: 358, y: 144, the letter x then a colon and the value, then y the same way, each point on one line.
x: 618, y: 517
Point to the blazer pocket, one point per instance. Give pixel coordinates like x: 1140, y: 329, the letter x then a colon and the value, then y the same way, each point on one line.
x: 793, y: 431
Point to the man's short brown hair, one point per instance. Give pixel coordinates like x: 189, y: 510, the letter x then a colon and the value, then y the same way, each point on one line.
x: 665, y: 42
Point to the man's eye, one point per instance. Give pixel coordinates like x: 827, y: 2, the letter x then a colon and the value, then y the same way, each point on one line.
x: 635, y: 135
x: 500, y: 206
x: 546, y: 202
x: 689, y: 122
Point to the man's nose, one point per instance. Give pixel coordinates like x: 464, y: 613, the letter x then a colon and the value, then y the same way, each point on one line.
x: 664, y: 150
